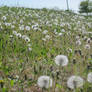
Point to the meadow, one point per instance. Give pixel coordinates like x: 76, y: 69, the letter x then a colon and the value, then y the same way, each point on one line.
x: 31, y: 40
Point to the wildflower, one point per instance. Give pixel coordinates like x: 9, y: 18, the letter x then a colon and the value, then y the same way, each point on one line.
x: 29, y: 45
x: 30, y: 49
x: 4, y: 18
x: 19, y: 35
x: 89, y: 78
x: 44, y: 82
x: 27, y: 39
x: 47, y: 37
x: 55, y: 30
x: 85, y: 38
x: 12, y: 26
x: 75, y: 82
x: 27, y: 28
x: 88, y: 40
x: 24, y: 36
x: 45, y: 32
x: 62, y: 30
x: 87, y: 46
x: 1, y: 79
x: 60, y: 34
x: 1, y: 82
x: 16, y: 77
x: 21, y: 27
x: 77, y: 37
x: 78, y: 42
x: 14, y: 32
x: 55, y: 33
x: 7, y: 24
x: 69, y: 50
x: 44, y: 39
x: 11, y: 36
x: 61, y: 60
x: 69, y: 33
x: 21, y: 21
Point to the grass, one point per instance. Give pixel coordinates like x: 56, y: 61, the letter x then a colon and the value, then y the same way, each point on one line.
x: 20, y: 68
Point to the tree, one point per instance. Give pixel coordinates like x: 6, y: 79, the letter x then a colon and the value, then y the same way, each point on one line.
x: 85, y: 7
x: 90, y: 6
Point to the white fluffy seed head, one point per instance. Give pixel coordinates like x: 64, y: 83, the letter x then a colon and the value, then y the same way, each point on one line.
x: 60, y: 34
x: 19, y: 35
x: 14, y: 32
x: 45, y: 32
x: 47, y: 37
x: 85, y: 38
x: 87, y: 46
x: 89, y: 78
x: 78, y: 42
x: 77, y: 37
x: 11, y: 36
x: 30, y: 49
x: 44, y: 39
x: 63, y: 30
x: 27, y: 39
x: 27, y: 28
x: 88, y: 40
x: 44, y: 82
x: 4, y: 17
x: 21, y: 27
x: 61, y: 60
x: 75, y: 82
x: 24, y: 36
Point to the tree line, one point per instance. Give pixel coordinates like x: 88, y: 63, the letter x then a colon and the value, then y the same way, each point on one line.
x: 84, y: 7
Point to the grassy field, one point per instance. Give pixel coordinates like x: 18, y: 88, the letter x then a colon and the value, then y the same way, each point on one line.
x: 30, y: 39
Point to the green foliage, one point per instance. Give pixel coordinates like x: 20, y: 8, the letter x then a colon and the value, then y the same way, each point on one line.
x: 90, y: 6
x: 85, y: 6
x: 20, y: 68
x: 12, y: 82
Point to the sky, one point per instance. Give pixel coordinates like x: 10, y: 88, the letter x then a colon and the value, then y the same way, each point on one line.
x: 61, y: 4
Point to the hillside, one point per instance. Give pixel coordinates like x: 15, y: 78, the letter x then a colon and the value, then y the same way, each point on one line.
x: 30, y: 40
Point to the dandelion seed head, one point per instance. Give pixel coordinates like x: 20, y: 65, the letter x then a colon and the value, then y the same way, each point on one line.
x: 78, y: 42
x: 15, y: 33
x: 77, y: 37
x: 19, y: 35
x: 27, y: 28
x: 85, y: 38
x: 47, y: 37
x: 89, y: 78
x: 12, y: 26
x: 11, y: 36
x: 60, y: 34
x: 4, y: 18
x: 87, y: 46
x: 30, y: 49
x: 61, y: 60
x: 21, y: 27
x: 45, y: 32
x: 27, y: 39
x: 88, y: 40
x: 75, y: 82
x: 44, y: 82
x: 44, y: 39
x: 62, y: 30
